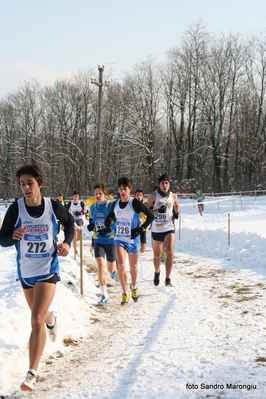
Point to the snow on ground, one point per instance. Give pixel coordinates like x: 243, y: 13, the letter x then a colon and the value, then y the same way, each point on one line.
x: 202, y: 338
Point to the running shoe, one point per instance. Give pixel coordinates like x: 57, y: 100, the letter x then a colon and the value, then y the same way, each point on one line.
x: 134, y: 293
x: 29, y: 383
x: 114, y: 276
x: 103, y: 300
x: 168, y: 282
x: 163, y: 257
x: 52, y: 331
x: 156, y: 279
x: 125, y: 298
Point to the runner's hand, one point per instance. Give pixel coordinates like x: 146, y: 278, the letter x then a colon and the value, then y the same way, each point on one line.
x: 104, y: 232
x: 63, y: 249
x: 135, y: 232
x: 90, y: 226
x: 19, y: 233
x: 175, y: 214
x: 107, y: 222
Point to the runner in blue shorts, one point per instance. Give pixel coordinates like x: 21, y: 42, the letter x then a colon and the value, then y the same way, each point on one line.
x: 31, y: 224
x: 125, y: 212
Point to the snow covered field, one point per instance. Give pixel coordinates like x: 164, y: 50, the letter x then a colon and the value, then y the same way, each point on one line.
x: 203, y: 338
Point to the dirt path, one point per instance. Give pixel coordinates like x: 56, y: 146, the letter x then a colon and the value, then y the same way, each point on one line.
x: 206, y: 325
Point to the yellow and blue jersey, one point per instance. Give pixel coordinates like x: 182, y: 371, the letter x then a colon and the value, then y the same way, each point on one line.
x: 98, y: 214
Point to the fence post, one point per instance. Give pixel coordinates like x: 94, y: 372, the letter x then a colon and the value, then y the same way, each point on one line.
x: 233, y: 203
x: 179, y: 226
x: 75, y: 240
x: 81, y: 262
x: 229, y: 229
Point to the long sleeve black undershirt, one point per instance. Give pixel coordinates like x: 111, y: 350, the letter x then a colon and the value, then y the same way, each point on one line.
x: 11, y: 217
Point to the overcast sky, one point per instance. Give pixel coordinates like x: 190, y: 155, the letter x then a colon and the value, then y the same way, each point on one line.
x: 49, y: 39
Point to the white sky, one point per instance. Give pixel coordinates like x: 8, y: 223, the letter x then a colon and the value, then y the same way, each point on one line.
x: 209, y: 328
x: 48, y: 39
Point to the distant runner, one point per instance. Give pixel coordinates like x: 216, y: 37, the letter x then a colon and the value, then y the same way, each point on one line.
x: 200, y: 197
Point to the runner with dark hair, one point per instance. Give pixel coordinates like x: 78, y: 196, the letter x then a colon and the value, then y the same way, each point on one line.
x: 30, y: 224
x: 165, y: 206
x: 125, y: 213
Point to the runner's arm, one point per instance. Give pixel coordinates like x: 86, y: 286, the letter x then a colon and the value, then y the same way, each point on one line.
x: 151, y: 201
x: 138, y: 207
x: 176, y: 208
x: 7, y: 230
x: 176, y: 204
x: 111, y: 215
x: 66, y: 219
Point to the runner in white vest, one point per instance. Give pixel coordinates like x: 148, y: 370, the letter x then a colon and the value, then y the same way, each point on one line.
x: 77, y: 209
x: 125, y: 213
x: 30, y: 224
x: 165, y: 207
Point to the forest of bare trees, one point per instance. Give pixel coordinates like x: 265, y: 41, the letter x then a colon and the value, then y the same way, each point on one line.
x: 200, y: 117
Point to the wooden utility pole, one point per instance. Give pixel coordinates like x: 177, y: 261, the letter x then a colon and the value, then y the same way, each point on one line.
x: 100, y: 84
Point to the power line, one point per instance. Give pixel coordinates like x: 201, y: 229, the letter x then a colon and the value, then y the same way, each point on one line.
x: 153, y: 55
x: 253, y: 31
x: 134, y: 59
x: 164, y: 52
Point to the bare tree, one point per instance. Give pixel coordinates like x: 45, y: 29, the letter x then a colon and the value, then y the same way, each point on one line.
x: 200, y: 116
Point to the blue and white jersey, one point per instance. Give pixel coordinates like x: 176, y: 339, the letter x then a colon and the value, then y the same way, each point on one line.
x: 126, y: 220
x: 163, y: 222
x: 37, y: 250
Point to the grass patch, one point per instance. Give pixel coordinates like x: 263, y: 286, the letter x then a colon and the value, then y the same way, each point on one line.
x: 94, y: 319
x: 225, y: 296
x: 70, y: 342
x: 59, y: 354
x: 90, y: 267
x: 240, y: 290
x: 245, y: 298
x: 186, y: 261
x: 260, y: 359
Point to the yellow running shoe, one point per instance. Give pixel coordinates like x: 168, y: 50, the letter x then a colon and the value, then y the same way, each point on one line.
x: 135, y: 294
x: 125, y: 298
